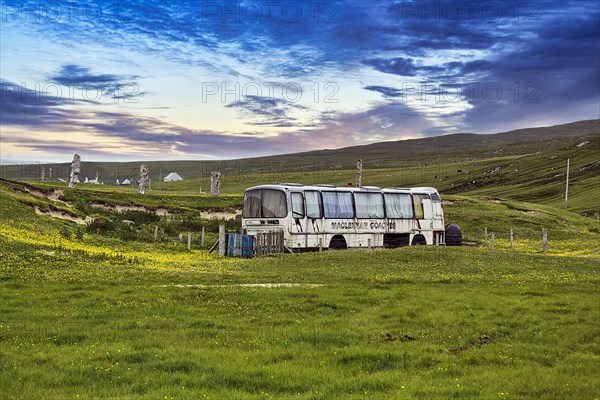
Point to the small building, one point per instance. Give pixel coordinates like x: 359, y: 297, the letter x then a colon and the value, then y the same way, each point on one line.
x: 173, y: 176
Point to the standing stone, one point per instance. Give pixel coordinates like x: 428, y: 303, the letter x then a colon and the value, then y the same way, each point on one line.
x: 359, y: 171
x: 75, y: 169
x: 143, y: 179
x: 215, y: 183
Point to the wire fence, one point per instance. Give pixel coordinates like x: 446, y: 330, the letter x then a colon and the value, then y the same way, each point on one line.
x: 116, y: 173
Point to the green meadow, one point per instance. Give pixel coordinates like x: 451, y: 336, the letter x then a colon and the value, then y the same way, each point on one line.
x: 106, y: 311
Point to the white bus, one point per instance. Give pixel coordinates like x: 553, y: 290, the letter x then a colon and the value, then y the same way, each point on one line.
x: 333, y: 217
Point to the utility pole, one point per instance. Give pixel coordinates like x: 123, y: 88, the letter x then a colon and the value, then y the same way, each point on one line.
x: 567, y: 185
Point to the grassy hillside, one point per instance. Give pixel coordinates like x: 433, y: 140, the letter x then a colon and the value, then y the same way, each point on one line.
x: 526, y: 165
x: 86, y: 315
x: 537, y: 178
x: 455, y: 148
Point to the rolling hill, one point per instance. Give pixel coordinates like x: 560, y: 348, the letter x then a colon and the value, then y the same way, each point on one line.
x: 525, y: 165
x: 460, y: 147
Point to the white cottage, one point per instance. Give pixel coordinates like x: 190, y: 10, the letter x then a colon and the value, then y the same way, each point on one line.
x: 173, y: 176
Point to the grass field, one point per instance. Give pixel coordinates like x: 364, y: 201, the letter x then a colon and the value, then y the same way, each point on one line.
x: 87, y: 315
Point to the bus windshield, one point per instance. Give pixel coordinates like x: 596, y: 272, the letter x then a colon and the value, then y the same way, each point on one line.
x: 264, y: 203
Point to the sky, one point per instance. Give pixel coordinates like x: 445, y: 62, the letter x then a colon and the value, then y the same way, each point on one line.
x: 202, y: 80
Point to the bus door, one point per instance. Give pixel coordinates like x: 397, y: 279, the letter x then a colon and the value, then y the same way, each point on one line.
x: 419, y: 211
x: 298, y: 221
x: 427, y: 212
x: 422, y: 208
x: 438, y: 212
x: 307, y: 217
x: 315, y: 218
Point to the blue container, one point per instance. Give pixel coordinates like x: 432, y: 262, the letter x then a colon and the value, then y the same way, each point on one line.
x: 247, y: 246
x: 239, y: 245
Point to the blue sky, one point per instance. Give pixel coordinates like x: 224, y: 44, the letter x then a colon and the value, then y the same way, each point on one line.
x: 117, y: 80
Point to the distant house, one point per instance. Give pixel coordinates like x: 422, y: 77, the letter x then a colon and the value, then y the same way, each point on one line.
x: 126, y: 182
x: 173, y: 176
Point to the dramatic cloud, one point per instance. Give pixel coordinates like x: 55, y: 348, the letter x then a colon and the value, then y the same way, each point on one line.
x: 386, y: 91
x: 273, y: 112
x: 168, y: 74
x: 78, y: 76
x: 398, y: 66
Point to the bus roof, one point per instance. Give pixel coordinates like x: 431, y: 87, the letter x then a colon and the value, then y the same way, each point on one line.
x: 427, y: 190
x: 326, y: 187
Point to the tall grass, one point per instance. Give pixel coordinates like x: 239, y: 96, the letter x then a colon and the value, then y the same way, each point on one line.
x: 95, y: 317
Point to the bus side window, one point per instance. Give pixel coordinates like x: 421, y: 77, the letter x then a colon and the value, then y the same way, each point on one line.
x: 418, y: 205
x: 313, y: 204
x: 398, y: 205
x: 369, y: 205
x: 338, y: 205
x: 297, y: 205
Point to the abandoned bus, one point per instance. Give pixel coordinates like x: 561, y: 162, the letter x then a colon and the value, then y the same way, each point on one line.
x: 333, y: 217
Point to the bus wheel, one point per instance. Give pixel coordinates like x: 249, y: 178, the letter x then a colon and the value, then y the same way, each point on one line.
x: 338, y: 243
x: 419, y: 240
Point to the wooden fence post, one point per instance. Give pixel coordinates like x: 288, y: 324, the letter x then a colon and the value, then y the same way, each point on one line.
x: 544, y: 239
x: 155, y: 232
x: 281, y: 238
x: 189, y: 241
x: 202, y: 238
x: 221, y: 240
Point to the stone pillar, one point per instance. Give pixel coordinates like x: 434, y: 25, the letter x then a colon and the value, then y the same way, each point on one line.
x: 75, y: 169
x: 143, y: 179
x: 359, y: 171
x: 215, y: 183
